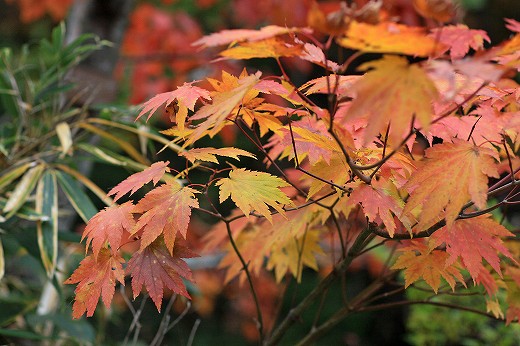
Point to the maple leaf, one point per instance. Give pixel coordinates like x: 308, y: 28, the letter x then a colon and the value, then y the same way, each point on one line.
x: 336, y: 170
x: 377, y: 200
x: 134, y: 182
x: 388, y: 38
x: 209, y: 154
x: 341, y: 85
x: 386, y: 96
x: 224, y: 102
x: 238, y: 35
x: 418, y: 261
x: 458, y: 39
x: 270, y: 48
x: 512, y: 24
x: 315, y: 55
x: 186, y: 96
x: 95, y: 277
x: 254, y: 191
x: 108, y: 226
x: 452, y: 174
x: 167, y: 211
x: 293, y: 253
x: 157, y: 267
x: 473, y: 240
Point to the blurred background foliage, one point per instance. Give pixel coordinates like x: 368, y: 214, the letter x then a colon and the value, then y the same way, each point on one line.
x: 68, y: 97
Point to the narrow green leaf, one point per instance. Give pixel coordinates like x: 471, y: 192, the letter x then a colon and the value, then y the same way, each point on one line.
x: 22, y: 190
x: 47, y: 204
x: 13, y: 174
x: 25, y: 212
x: 2, y: 260
x: 23, y: 334
x: 76, y: 196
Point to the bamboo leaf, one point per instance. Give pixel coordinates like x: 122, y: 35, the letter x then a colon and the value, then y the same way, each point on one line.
x: 123, y: 144
x: 89, y: 184
x: 2, y: 260
x: 76, y: 196
x: 22, y: 190
x: 14, y: 174
x: 47, y: 231
x: 65, y: 137
x: 25, y: 212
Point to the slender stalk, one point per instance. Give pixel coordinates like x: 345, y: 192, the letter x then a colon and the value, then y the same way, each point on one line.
x: 324, y: 284
x: 249, y: 280
x: 353, y: 305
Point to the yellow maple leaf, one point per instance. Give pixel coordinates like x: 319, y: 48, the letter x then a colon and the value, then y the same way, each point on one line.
x: 209, y: 154
x: 293, y: 253
x: 389, y: 38
x: 254, y: 191
x: 395, y: 93
x: 453, y: 174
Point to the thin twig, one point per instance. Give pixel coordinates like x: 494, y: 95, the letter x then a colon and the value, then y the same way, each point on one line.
x: 193, y: 331
x: 260, y: 322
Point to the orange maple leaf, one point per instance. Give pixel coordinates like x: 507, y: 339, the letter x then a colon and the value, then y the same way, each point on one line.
x: 418, y: 261
x: 452, y: 174
x: 230, y: 94
x: 134, y: 182
x: 394, y: 93
x: 388, y: 38
x: 96, y: 277
x: 108, y: 226
x: 269, y: 48
x: 473, y: 240
x: 156, y: 267
x: 167, y: 211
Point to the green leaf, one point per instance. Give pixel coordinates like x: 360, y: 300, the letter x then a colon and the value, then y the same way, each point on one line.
x: 13, y: 174
x: 76, y: 196
x: 14, y: 306
x: 47, y: 231
x: 24, y: 212
x: 22, y: 190
x: 23, y: 334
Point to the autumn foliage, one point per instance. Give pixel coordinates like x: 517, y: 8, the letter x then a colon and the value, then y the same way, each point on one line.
x: 344, y: 165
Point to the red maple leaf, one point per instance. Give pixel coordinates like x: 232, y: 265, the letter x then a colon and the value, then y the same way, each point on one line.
x: 155, y: 268
x: 473, y: 240
x: 239, y: 35
x: 378, y: 203
x: 512, y: 24
x: 186, y: 96
x: 96, y: 277
x: 137, y: 180
x: 166, y: 210
x: 109, y: 225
